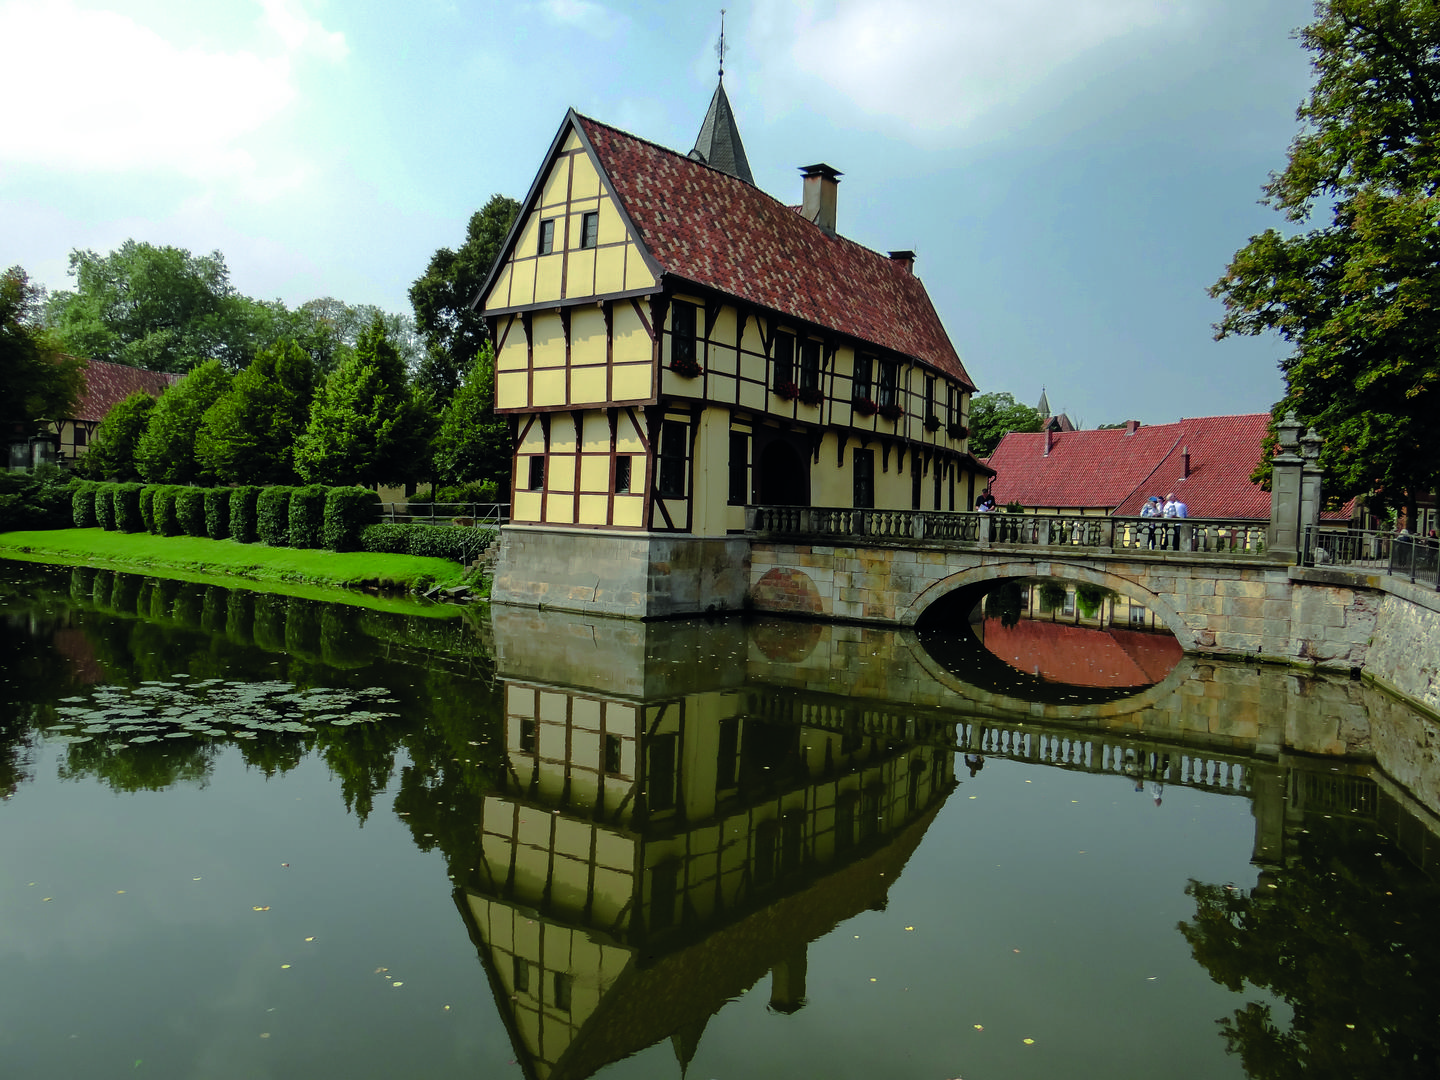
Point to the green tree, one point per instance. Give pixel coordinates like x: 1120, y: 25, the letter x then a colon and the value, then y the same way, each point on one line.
x: 452, y: 330
x: 165, y: 453
x: 1357, y: 296
x: 993, y: 416
x: 473, y: 444
x: 366, y: 425
x: 159, y: 308
x: 36, y: 381
x: 249, y: 435
x: 112, y: 451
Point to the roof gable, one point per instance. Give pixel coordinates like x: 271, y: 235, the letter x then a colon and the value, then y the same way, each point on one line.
x: 1116, y: 470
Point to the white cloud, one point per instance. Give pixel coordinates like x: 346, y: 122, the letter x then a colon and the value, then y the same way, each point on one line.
x: 110, y: 95
x: 301, y: 33
x: 592, y: 18
x: 935, y: 66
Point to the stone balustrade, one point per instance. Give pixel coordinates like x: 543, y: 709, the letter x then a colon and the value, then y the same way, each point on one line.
x: 1227, y: 538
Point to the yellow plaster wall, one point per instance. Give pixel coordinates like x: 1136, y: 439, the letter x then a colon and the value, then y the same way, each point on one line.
x: 711, y: 473
x: 572, y: 187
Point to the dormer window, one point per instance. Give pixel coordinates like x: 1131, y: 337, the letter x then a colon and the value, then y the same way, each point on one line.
x: 590, y: 229
x: 547, y: 236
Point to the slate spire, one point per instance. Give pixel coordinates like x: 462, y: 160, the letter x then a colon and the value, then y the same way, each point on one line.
x: 718, y: 144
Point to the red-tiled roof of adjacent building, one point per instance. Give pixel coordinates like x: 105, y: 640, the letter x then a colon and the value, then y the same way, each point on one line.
x: 106, y: 385
x: 1117, y: 469
x: 713, y: 229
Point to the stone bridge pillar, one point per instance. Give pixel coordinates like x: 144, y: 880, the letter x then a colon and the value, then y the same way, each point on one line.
x: 1311, y: 477
x: 1283, y: 537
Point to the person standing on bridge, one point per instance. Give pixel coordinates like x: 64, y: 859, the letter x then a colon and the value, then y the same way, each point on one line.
x: 1151, y: 509
x: 1174, y: 508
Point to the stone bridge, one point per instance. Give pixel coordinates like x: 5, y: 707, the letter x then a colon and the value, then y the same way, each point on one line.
x: 1218, y: 586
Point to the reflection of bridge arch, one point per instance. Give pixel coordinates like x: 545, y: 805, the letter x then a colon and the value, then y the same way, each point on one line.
x: 1135, y: 705
x: 979, y: 580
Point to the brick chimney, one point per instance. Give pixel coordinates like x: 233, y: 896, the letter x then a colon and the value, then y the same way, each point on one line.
x: 1185, y: 463
x: 1132, y: 426
x: 905, y: 259
x: 817, y: 203
x: 1049, y: 439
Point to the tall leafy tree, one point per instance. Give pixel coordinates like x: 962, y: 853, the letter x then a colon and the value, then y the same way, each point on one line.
x: 452, y: 330
x: 37, y: 382
x: 1354, y: 285
x: 249, y: 435
x: 993, y: 416
x: 166, y: 452
x: 366, y: 425
x: 473, y: 444
x: 160, y: 308
x: 111, y: 455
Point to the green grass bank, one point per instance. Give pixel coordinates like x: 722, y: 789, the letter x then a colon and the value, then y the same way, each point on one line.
x: 293, y: 571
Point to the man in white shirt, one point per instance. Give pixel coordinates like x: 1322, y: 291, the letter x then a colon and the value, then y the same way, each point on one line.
x: 1174, y: 508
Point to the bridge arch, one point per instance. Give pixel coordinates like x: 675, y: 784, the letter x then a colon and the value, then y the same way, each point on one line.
x: 978, y: 580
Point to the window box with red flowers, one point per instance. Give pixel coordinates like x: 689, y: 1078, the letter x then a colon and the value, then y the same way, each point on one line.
x: 685, y: 367
x: 863, y: 406
x: 932, y: 423
x: 892, y: 412
x: 811, y: 395
x: 786, y: 390
x: 958, y: 431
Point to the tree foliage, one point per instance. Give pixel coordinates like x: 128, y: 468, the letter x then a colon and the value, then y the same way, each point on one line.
x: 1357, y: 293
x: 159, y: 308
x: 474, y: 444
x: 165, y: 453
x: 366, y: 425
x: 249, y: 435
x: 36, y: 381
x: 452, y: 331
x: 111, y: 455
x: 993, y: 416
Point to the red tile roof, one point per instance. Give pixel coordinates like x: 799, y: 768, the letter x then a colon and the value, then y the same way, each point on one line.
x: 710, y: 228
x: 1117, y: 471
x: 106, y: 385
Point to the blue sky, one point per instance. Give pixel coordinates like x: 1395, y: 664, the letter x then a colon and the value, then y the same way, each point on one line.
x: 1073, y: 174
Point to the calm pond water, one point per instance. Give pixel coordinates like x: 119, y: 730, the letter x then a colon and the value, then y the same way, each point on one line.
x: 248, y: 835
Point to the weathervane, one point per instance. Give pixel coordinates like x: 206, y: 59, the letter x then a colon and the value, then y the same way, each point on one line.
x: 720, y: 47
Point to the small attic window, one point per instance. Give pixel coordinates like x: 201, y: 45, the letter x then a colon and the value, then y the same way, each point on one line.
x: 590, y: 229
x: 547, y: 236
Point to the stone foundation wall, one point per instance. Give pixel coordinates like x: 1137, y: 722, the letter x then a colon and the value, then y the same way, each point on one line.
x: 635, y: 576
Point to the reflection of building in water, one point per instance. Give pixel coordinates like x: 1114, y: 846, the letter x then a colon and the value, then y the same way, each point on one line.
x: 648, y: 860
x: 1055, y: 600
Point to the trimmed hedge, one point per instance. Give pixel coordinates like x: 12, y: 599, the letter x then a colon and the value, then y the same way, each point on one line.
x: 454, y: 542
x: 272, y: 516
x: 126, y: 500
x: 347, y: 511
x: 217, y: 513
x: 307, y: 517
x: 242, y: 513
x: 105, y: 507
x: 147, y: 506
x: 30, y: 501
x: 386, y: 539
x: 190, y: 510
x: 82, y: 505
x: 167, y: 520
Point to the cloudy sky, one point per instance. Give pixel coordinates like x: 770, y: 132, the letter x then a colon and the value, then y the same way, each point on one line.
x: 1072, y: 173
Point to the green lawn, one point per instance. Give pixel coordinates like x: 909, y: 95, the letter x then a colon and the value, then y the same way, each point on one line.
x: 297, y: 572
